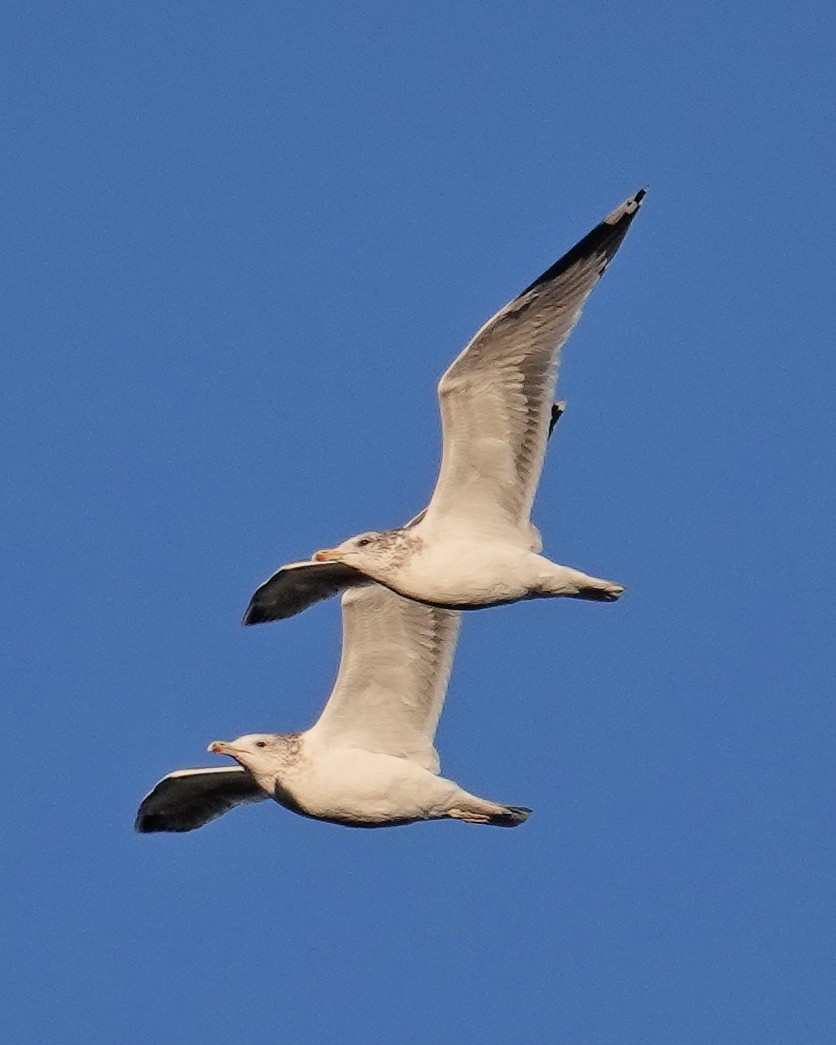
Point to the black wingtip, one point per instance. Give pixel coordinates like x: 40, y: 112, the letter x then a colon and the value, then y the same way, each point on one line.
x: 155, y: 823
x: 602, y: 242
x: 262, y: 607
x: 148, y: 823
x: 257, y: 613
x: 511, y: 816
x: 623, y: 213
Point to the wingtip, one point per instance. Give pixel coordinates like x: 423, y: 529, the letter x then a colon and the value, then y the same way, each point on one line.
x: 627, y: 209
x: 255, y: 614
x: 511, y: 816
x: 142, y: 826
x: 158, y: 823
x: 601, y: 242
x: 260, y: 609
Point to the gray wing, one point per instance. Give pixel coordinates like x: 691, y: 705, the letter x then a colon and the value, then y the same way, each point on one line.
x: 299, y: 585
x: 190, y: 798
x: 393, y: 675
x: 557, y: 411
x: 496, y: 398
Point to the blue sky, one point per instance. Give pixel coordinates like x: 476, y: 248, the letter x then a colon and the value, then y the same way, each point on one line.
x: 242, y: 242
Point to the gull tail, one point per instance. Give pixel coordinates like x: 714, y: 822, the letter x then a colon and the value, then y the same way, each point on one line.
x: 563, y: 580
x: 479, y: 811
x: 511, y: 816
x: 606, y: 592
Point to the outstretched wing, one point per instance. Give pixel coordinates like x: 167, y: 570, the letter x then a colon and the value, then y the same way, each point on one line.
x: 299, y: 585
x: 496, y: 398
x: 395, y: 665
x: 190, y: 798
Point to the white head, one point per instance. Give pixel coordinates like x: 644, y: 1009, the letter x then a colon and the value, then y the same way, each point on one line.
x: 258, y: 752
x: 374, y: 553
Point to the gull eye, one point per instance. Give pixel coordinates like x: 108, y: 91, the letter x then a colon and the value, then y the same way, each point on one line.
x: 261, y: 743
x: 363, y: 542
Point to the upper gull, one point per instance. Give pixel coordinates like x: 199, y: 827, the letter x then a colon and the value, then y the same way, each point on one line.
x: 474, y: 545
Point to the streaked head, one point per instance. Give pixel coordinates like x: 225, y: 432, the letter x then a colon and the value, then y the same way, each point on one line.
x: 370, y: 552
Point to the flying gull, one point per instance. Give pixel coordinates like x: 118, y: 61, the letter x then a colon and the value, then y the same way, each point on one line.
x: 474, y: 545
x: 369, y: 760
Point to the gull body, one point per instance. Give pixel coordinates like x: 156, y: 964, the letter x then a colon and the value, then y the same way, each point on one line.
x: 474, y: 545
x: 355, y: 787
x: 466, y: 572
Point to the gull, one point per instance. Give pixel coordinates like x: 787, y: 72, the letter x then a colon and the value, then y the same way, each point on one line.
x: 474, y: 545
x: 369, y: 760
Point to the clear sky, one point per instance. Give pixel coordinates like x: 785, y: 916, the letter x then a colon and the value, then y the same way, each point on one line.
x: 242, y: 242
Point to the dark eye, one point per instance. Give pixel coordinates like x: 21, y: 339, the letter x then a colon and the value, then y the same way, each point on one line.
x: 363, y: 542
x: 261, y: 743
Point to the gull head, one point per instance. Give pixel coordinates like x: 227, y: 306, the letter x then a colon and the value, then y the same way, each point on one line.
x: 375, y: 553
x: 253, y: 751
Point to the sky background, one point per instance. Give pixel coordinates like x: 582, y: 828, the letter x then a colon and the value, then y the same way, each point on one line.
x: 241, y: 244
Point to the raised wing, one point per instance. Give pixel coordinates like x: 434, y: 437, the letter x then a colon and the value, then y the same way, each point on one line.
x: 190, y: 798
x: 496, y: 398
x: 557, y: 411
x: 299, y: 585
x: 395, y: 665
